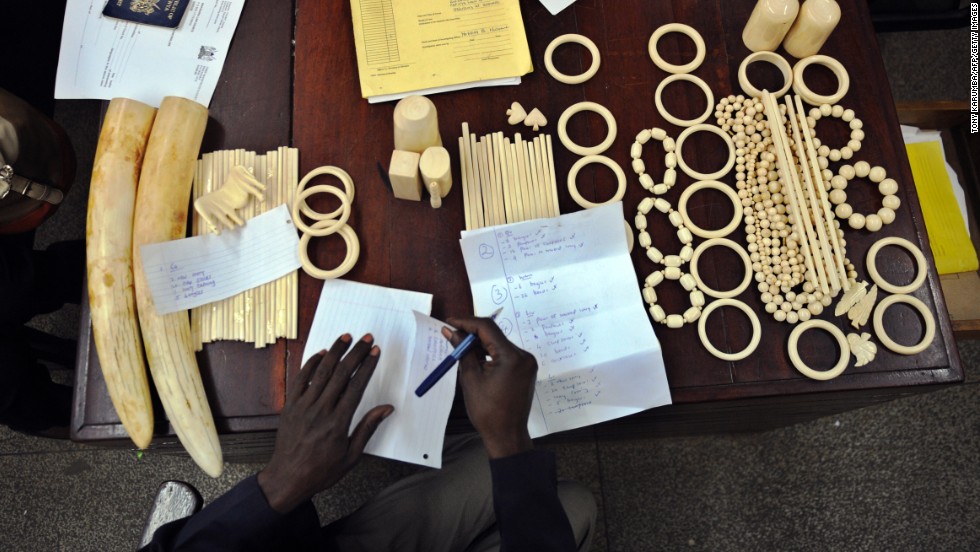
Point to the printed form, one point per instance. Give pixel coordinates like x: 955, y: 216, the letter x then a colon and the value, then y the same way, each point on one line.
x: 103, y: 58
x: 427, y: 46
x: 571, y: 299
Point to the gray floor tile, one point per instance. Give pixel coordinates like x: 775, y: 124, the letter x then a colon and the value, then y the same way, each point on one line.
x: 926, y: 65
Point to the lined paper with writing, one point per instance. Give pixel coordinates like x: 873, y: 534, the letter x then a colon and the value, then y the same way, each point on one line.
x: 571, y: 299
x: 191, y: 272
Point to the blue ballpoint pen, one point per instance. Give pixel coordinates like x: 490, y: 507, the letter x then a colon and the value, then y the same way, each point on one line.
x: 451, y: 360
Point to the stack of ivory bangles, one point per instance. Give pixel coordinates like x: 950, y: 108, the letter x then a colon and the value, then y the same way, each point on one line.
x: 591, y: 154
x: 680, y: 72
x: 326, y: 224
x: 794, y: 77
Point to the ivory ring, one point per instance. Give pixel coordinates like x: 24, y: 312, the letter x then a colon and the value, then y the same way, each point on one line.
x: 573, y: 185
x: 920, y: 262
x: 344, y: 178
x: 353, y: 252
x: 753, y: 318
x: 713, y: 185
x: 328, y: 226
x: 773, y: 58
x: 571, y: 79
x: 676, y: 28
x: 794, y: 353
x: 595, y: 108
x: 746, y: 280
x: 918, y: 305
x: 658, y: 99
x: 811, y: 97
x: 698, y: 175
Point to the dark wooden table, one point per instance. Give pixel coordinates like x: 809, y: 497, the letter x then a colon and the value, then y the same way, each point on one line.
x: 313, y: 102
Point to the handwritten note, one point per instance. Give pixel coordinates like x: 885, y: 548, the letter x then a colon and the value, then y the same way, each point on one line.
x: 411, y: 346
x: 191, y: 272
x: 571, y: 299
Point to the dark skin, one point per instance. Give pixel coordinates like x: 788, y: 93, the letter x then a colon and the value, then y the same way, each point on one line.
x: 313, y: 449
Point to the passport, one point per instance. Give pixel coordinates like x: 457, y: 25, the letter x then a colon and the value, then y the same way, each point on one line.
x: 163, y: 13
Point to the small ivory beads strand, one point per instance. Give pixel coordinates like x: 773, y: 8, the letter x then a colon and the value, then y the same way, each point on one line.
x: 846, y: 115
x: 888, y: 188
x: 686, y: 281
x: 670, y: 160
x: 645, y: 241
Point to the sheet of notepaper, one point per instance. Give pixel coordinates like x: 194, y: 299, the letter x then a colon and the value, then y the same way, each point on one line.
x: 410, y: 45
x: 570, y: 297
x: 191, y: 272
x: 411, y: 346
x: 555, y: 6
x: 103, y: 57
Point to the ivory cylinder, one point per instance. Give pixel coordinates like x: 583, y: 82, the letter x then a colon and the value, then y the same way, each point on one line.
x: 769, y: 23
x: 416, y: 125
x: 817, y: 19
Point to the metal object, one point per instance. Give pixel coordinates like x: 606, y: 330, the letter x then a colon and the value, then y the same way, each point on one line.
x: 12, y: 182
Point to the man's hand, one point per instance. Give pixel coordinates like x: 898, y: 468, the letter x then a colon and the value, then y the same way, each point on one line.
x: 498, y: 391
x: 313, y: 449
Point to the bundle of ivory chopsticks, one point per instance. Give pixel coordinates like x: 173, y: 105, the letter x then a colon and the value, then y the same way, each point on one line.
x: 506, y: 181
x: 263, y: 314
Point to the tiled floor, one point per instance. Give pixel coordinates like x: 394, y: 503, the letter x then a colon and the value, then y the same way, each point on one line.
x: 901, y: 475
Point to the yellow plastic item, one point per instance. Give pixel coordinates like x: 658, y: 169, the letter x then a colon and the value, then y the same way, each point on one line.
x: 951, y: 245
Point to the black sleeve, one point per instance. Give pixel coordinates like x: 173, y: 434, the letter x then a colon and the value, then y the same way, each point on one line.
x: 241, y: 519
x: 525, y: 499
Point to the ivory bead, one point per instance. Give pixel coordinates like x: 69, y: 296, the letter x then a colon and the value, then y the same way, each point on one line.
x: 647, y: 182
x: 779, y: 315
x: 873, y: 223
x: 658, y: 134
x: 766, y: 297
x: 834, y: 155
x: 803, y: 315
x: 837, y: 111
x: 792, y: 317
x: 670, y: 160
x: 662, y: 205
x: 838, y: 197
x: 640, y: 222
x: 856, y: 124
x: 838, y: 182
x: 826, y: 301
x: 660, y: 189
x: 877, y: 174
x: 854, y: 145
x: 815, y: 308
x: 645, y: 239
x: 654, y: 254
x: 685, y: 236
x: 844, y: 210
x: 847, y: 171
x: 636, y: 150
x: 657, y: 313
x: 847, y: 116
x: 669, y: 145
x: 649, y: 295
x: 862, y: 169
x: 857, y: 134
x: 692, y: 314
x: 771, y: 308
x: 814, y: 114
x: 823, y: 163
x: 670, y: 176
x: 891, y: 201
x: 654, y: 278
x: 823, y: 151
x: 826, y: 110
x: 675, y: 321
x: 686, y: 253
x: 639, y: 167
x: 888, y: 186
x: 672, y: 260
x: 643, y: 136
x: 676, y: 219
x: 846, y: 152
x: 887, y: 215
x: 697, y: 298
x: 672, y: 273
x: 645, y: 205
x: 786, y: 307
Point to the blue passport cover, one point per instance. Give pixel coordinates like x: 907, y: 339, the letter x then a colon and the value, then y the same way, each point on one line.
x: 163, y: 13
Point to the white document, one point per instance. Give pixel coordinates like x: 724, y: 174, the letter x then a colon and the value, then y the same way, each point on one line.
x: 555, y: 6
x: 411, y: 346
x: 570, y: 298
x: 191, y: 272
x: 104, y: 58
x: 506, y: 81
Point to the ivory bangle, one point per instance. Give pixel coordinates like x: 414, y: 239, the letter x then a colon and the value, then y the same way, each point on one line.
x: 920, y: 262
x: 658, y: 99
x: 713, y: 185
x: 571, y: 79
x: 746, y: 280
x: 328, y: 226
x: 344, y: 178
x: 753, y: 318
x: 586, y: 106
x: 927, y: 317
x: 770, y: 57
x: 573, y: 185
x: 676, y: 28
x: 698, y: 175
x: 794, y: 353
x: 811, y: 97
x: 353, y: 253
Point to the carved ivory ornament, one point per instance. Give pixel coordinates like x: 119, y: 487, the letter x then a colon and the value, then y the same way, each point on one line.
x: 220, y: 206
